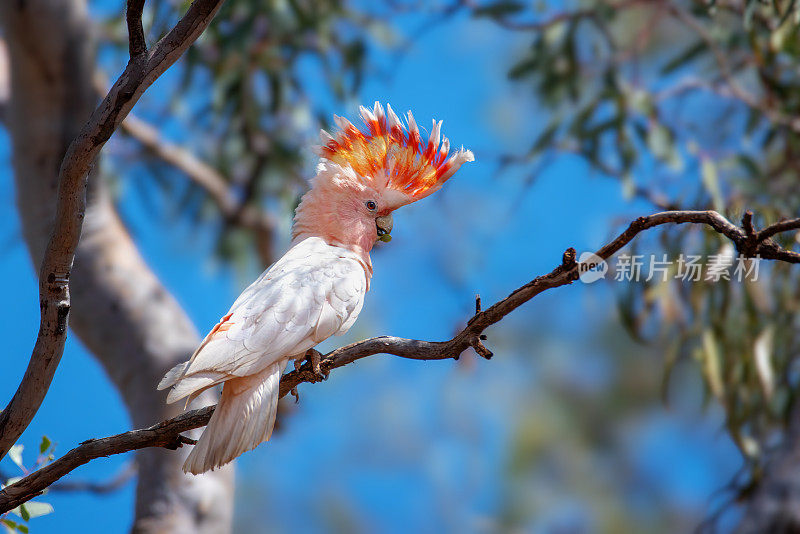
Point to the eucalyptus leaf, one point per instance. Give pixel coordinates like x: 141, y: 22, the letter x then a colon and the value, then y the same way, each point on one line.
x: 712, y: 364
x: 44, y: 445
x: 10, y: 526
x: 38, y: 508
x: 684, y: 57
x: 15, y: 454
x: 708, y: 172
x: 762, y: 352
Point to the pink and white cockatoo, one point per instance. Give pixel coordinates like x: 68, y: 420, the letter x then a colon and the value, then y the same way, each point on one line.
x: 317, y: 288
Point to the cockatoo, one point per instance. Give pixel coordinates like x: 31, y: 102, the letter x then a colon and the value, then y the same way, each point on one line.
x: 317, y: 288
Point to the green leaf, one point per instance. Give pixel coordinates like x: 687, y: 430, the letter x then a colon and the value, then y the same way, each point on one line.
x: 545, y: 138
x: 750, y: 7
x: 659, y: 141
x: 712, y: 365
x: 554, y: 33
x: 503, y: 8
x: 11, y: 526
x: 671, y: 357
x: 23, y: 512
x: 788, y: 12
x: 749, y: 165
x: 762, y: 353
x: 782, y: 34
x: 708, y: 172
x: 749, y: 446
x: 15, y: 453
x: 44, y: 445
x: 523, y: 68
x: 754, y: 118
x: 38, y: 509
x: 641, y: 101
x: 687, y: 55
x: 628, y: 186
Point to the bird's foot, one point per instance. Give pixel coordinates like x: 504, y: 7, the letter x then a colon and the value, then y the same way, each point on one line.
x: 314, y: 357
x: 295, y: 394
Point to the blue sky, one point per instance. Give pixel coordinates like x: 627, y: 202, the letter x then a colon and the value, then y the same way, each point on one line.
x: 399, y: 444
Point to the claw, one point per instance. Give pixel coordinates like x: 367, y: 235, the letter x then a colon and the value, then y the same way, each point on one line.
x: 314, y: 357
x: 295, y: 394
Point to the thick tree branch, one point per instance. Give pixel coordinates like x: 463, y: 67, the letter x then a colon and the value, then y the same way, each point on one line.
x: 140, y: 73
x: 167, y: 433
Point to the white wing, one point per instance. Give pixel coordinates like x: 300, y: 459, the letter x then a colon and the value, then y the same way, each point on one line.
x: 314, y: 291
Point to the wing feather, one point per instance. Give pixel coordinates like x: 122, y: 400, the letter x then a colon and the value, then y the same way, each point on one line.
x: 314, y: 291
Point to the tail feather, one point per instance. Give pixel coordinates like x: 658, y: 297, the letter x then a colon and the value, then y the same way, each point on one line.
x: 172, y: 376
x: 195, y: 384
x: 243, y: 418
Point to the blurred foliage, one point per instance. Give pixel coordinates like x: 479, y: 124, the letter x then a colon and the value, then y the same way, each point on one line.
x: 592, y: 481
x: 256, y: 123
x: 30, y: 509
x: 689, y: 104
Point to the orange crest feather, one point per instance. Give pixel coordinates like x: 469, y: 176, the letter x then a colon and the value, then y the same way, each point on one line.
x: 391, y: 155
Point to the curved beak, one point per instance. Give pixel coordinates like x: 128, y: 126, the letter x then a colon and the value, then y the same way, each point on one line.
x: 384, y: 227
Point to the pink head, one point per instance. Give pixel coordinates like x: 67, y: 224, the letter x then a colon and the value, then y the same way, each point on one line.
x: 363, y: 177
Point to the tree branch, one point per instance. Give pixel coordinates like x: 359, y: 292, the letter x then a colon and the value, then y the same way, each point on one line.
x: 557, y: 18
x: 117, y: 482
x: 111, y: 485
x: 141, y: 71
x: 721, y: 59
x: 167, y: 433
x: 133, y: 15
x: 782, y: 226
x: 202, y: 174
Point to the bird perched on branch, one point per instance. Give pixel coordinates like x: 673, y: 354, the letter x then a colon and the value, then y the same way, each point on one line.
x: 317, y: 288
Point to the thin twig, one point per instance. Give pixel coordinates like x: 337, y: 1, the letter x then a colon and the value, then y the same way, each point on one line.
x: 774, y: 229
x: 68, y: 485
x: 721, y: 59
x: 563, y: 16
x: 118, y: 481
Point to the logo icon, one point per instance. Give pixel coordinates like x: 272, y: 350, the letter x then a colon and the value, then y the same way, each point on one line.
x: 591, y: 267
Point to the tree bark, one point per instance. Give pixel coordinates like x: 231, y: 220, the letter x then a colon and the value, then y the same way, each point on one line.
x: 120, y: 310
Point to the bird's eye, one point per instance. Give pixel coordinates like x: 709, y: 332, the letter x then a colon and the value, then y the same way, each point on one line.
x: 371, y: 205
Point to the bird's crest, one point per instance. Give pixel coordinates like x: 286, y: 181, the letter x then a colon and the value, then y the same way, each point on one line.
x: 392, y: 155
